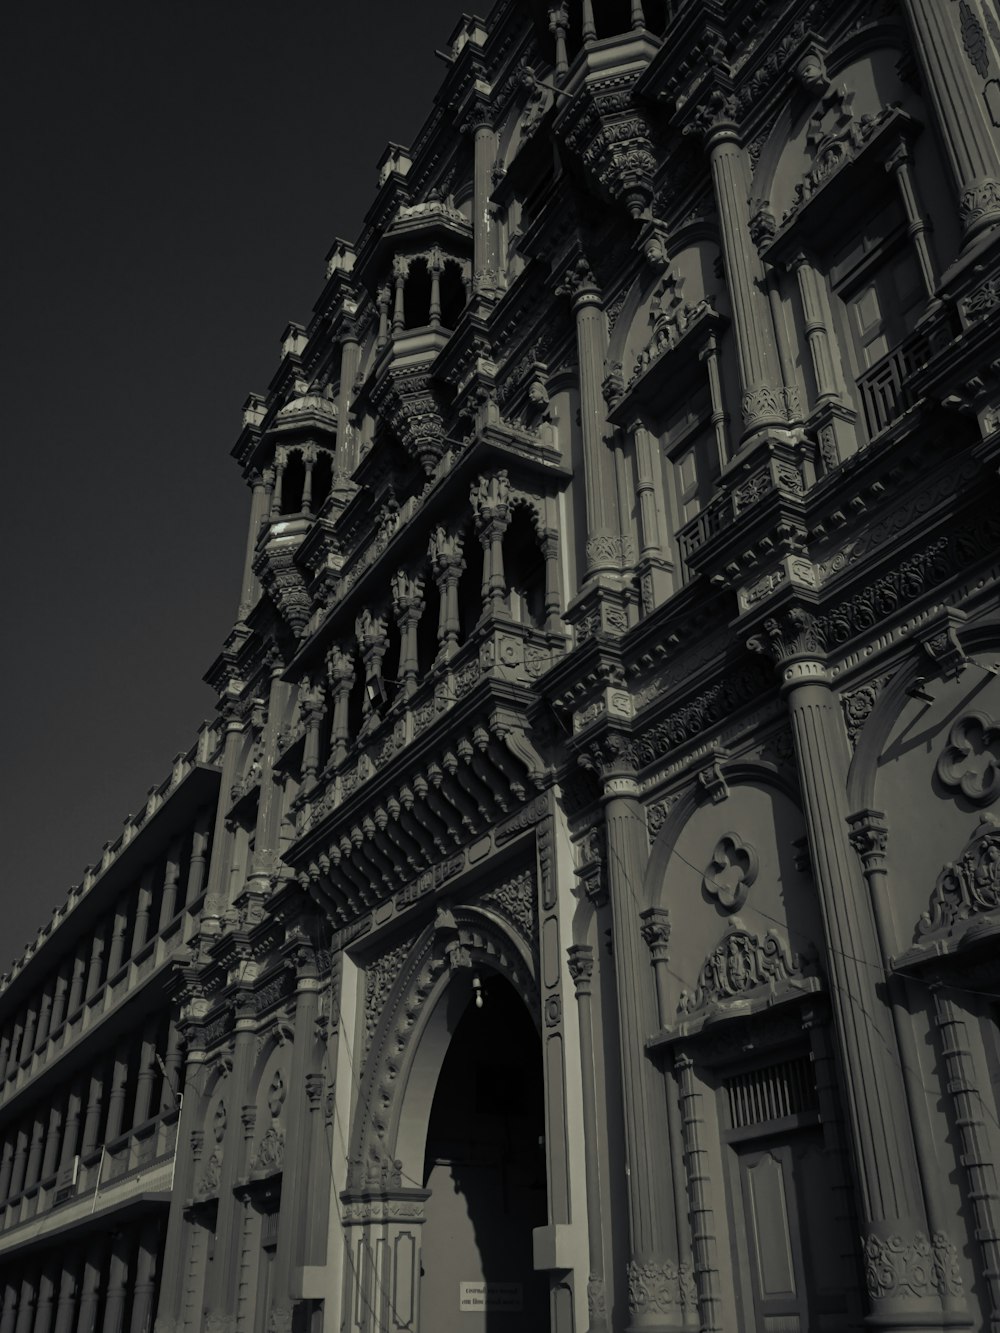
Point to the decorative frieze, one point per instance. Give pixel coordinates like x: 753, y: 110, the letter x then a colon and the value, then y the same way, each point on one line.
x: 744, y: 964
x: 915, y: 1267
x: 966, y: 887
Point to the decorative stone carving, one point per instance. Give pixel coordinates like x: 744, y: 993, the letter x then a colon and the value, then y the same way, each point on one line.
x: 669, y: 317
x: 276, y: 1095
x: 793, y: 633
x: 731, y: 872
x: 379, y: 978
x: 835, y: 138
x: 210, y: 1177
x: 271, y: 1152
x: 858, y: 705
x: 970, y: 761
x: 656, y: 815
x: 712, y: 782
x: 895, y: 1266
x: 660, y: 1288
x: 515, y: 899
x: 967, y: 887
x: 742, y: 964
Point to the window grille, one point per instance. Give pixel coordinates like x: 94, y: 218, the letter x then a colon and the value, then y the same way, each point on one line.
x: 771, y: 1093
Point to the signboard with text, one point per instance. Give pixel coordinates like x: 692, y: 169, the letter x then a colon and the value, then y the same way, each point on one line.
x: 505, y: 1296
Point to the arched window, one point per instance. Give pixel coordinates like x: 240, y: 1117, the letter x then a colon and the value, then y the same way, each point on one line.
x: 293, y: 481
x: 452, y: 294
x: 417, y: 295
x: 524, y: 567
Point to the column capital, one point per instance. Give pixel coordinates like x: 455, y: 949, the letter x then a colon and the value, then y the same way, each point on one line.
x: 579, y: 283
x: 715, y: 119
x: 613, y: 759
x: 655, y: 931
x: 869, y: 836
x: 793, y: 637
x: 581, y: 967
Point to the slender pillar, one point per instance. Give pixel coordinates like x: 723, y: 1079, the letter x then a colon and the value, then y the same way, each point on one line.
x: 490, y: 498
x: 308, y: 464
x: 882, y: 1137
x: 216, y: 893
x: 48, y: 1287
x: 382, y: 297
x: 434, y: 269
x: 400, y: 269
x: 118, y: 1276
x: 955, y: 88
x: 298, y: 1163
x: 636, y: 16
x: 30, y: 1022
x: 765, y: 400
x: 312, y: 709
x: 15, y: 1045
x: 7, y: 1163
x: 558, y: 23
x: 340, y: 672
x: 44, y: 1015
x: 9, y: 1313
x: 146, y: 1076
x: 20, y: 1160
x: 144, y: 1285
x: 171, y: 877
x: 485, y: 257
x: 50, y: 1154
x: 407, y: 607
x: 702, y: 1192
x: 823, y: 350
x: 267, y: 831
x: 90, y: 1287
x: 588, y: 29
x: 69, y: 1290
x: 581, y: 967
x: 60, y: 996
x: 447, y: 564
x: 173, y: 1064
x: 900, y: 166
x: 971, y: 1117
x: 96, y: 961
x: 35, y: 1150
x: 199, y: 856
x: 71, y: 1128
x: 604, y: 539
x: 4, y: 1052
x: 116, y: 1091
x: 658, y: 1276
x: 259, y: 503
x: 350, y: 359
x: 92, y: 1121
x: 143, y: 907
x: 26, y: 1304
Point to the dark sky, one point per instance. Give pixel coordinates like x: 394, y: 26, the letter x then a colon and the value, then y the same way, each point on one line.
x: 175, y: 172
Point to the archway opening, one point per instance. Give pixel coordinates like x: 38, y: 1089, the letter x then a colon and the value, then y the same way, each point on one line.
x: 484, y: 1164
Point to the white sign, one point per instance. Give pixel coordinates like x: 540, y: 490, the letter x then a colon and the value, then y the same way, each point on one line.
x: 490, y: 1296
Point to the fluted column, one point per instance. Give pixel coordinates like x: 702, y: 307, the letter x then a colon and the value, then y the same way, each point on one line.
x: 172, y: 1278
x: 655, y: 1272
x: 955, y: 88
x: 767, y: 402
x: 118, y: 1276
x: 581, y: 967
x: 604, y: 539
x: 447, y: 564
x: 407, y: 607
x: 479, y: 123
x: 298, y: 1164
x: 144, y: 1283
x: 891, y: 1204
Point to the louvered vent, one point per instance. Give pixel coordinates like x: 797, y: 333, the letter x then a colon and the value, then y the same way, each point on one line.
x: 771, y: 1093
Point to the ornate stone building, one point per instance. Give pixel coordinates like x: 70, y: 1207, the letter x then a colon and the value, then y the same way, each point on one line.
x: 601, y: 903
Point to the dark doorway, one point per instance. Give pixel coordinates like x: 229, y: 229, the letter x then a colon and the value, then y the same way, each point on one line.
x: 485, y: 1167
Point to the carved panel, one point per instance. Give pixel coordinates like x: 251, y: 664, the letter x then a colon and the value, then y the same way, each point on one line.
x: 970, y: 761
x: 742, y: 964
x: 966, y: 887
x: 731, y: 872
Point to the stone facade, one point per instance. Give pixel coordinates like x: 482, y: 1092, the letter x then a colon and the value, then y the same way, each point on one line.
x: 591, y: 886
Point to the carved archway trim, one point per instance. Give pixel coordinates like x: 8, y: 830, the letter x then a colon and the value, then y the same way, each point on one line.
x: 490, y: 945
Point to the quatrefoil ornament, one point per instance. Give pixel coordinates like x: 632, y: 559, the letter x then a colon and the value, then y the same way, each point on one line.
x: 971, y: 759
x: 731, y: 872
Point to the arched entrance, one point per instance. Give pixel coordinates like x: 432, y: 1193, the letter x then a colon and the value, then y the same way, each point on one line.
x: 484, y: 1164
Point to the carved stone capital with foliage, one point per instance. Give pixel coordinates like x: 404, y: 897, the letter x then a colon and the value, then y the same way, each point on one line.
x: 869, y: 837
x: 791, y: 634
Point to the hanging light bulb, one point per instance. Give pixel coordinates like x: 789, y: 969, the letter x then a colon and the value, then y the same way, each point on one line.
x: 477, y: 990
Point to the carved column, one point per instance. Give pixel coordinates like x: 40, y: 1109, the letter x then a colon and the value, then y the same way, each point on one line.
x: 407, y: 607
x: 869, y: 838
x: 445, y: 551
x: 116, y: 944
x: 350, y: 359
x: 4, y: 1053
x: 706, y: 1258
x: 221, y: 1285
x: 259, y: 504
x: 766, y: 401
x: 277, y: 494
x: 651, y: 504
x: 172, y: 1278
x: 550, y: 544
x: 69, y: 1286
x: 434, y: 267
x: 314, y: 1236
x: 899, y: 165
x: 118, y: 1276
x: 955, y: 91
x: 581, y: 967
x: 382, y: 299
x: 267, y: 830
x: 656, y: 1276
x: 656, y: 933
x: 833, y: 398
x: 604, y: 540
x: 479, y: 124
x: 297, y: 1162
x: 312, y: 710
x: 308, y: 464
x: 588, y: 30
x: 372, y: 644
x: 28, y: 1041
x: 171, y: 876
x: 145, y: 1278
x: 400, y: 269
x: 970, y: 1115
x: 340, y: 673
x: 882, y: 1137
x: 216, y: 892
x: 490, y: 497
x: 558, y: 23
x: 173, y: 1063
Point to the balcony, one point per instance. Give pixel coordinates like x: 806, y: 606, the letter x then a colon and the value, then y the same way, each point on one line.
x: 886, y: 389
x: 134, y: 1166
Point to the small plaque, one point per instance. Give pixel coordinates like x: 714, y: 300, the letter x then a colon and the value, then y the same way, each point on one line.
x: 499, y: 1296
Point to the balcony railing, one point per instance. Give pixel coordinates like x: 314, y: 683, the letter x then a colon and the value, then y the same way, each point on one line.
x: 135, y: 1162
x: 704, y: 525
x: 886, y: 388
